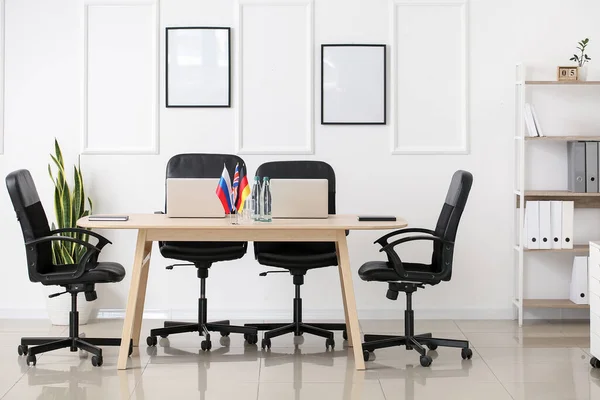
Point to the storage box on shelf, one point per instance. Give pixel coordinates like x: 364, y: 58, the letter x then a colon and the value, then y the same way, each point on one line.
x: 521, y: 195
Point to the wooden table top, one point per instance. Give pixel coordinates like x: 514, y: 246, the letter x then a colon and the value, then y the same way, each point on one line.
x: 161, y: 221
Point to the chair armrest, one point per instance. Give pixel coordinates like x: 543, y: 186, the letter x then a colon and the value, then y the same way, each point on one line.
x: 102, y: 241
x: 92, y: 250
x: 383, y: 240
x: 62, y: 238
x: 395, y: 259
x: 390, y: 246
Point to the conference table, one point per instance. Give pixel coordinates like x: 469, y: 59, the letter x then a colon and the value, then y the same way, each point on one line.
x: 159, y: 227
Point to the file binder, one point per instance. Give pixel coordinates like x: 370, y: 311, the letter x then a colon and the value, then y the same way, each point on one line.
x: 579, y: 281
x: 529, y: 121
x: 544, y: 221
x: 576, y: 161
x: 533, y: 225
x: 556, y: 224
x: 591, y: 167
x: 567, y: 224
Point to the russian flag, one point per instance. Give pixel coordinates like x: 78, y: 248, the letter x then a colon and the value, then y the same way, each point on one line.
x: 224, y: 191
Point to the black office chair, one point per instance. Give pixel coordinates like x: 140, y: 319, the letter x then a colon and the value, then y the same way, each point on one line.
x: 202, y: 254
x: 298, y: 257
x: 74, y: 278
x: 408, y: 277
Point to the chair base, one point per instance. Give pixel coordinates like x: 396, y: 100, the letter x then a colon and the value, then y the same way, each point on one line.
x: 298, y: 328
x: 410, y: 340
x: 44, y: 345
x: 203, y: 329
x: 74, y: 342
x: 416, y: 342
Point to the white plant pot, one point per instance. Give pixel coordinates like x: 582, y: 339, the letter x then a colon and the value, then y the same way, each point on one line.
x: 59, y: 307
x: 583, y: 72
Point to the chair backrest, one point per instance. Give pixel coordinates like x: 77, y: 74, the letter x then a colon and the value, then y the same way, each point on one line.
x: 447, y: 224
x: 299, y: 170
x: 33, y: 220
x: 202, y: 165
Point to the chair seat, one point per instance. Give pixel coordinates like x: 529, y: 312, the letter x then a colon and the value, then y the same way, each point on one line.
x: 383, y: 271
x: 293, y: 260
x: 203, y: 251
x: 105, y: 272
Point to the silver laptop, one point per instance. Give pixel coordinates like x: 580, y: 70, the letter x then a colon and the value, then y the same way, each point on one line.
x: 193, y: 198
x: 299, y: 198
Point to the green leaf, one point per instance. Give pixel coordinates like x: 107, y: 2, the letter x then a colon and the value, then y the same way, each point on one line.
x: 78, y: 197
x: 66, y: 255
x: 67, y: 211
x: 58, y: 207
x: 58, y: 153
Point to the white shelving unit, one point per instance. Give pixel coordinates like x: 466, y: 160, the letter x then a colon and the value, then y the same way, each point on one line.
x: 521, y: 194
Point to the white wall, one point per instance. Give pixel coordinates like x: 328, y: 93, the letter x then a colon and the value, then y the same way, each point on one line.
x: 44, y: 92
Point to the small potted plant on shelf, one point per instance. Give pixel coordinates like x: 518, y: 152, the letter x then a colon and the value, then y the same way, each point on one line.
x: 581, y: 59
x: 69, y: 206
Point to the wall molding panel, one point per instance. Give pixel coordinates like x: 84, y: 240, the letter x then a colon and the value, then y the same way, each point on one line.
x: 428, y: 115
x: 2, y: 66
x: 120, y: 85
x: 283, y: 74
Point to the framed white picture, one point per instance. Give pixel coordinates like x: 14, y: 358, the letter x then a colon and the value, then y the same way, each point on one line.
x: 353, y: 84
x: 198, y: 67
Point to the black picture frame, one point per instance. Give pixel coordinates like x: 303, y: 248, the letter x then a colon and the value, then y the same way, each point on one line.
x: 169, y: 103
x: 384, y: 88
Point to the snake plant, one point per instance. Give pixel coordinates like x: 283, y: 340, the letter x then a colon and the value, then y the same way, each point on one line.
x: 69, y: 206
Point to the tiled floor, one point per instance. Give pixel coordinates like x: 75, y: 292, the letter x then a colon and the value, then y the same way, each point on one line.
x: 543, y: 360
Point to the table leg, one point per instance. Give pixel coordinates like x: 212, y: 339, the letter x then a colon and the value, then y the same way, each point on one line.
x: 133, y: 298
x: 139, y: 309
x: 337, y: 248
x: 349, y: 300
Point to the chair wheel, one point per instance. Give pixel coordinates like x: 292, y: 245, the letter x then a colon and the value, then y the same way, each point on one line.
x: 426, y: 361
x: 151, y: 341
x: 164, y: 336
x: 206, y: 345
x: 251, y: 338
x: 345, y: 334
x: 366, y: 355
x: 432, y: 346
x: 225, y: 334
x: 595, y: 363
x: 466, y: 354
x: 265, y: 344
x: 31, y: 359
x: 330, y: 343
x: 22, y: 350
x: 97, y: 361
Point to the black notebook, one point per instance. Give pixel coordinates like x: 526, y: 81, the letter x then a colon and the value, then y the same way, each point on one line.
x: 376, y: 218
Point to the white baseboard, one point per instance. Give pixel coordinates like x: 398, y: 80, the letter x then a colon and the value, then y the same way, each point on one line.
x: 315, y: 315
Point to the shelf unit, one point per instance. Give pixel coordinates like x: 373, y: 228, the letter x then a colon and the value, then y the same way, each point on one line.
x: 567, y: 83
x: 521, y: 195
x: 577, y: 248
x: 553, y: 303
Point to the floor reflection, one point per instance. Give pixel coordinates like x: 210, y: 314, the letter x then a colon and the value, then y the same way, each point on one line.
x: 79, y: 381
